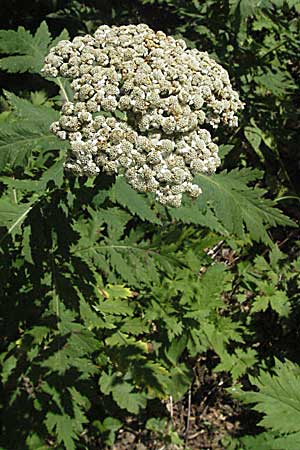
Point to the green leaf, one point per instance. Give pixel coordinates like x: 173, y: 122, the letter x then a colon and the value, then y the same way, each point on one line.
x: 245, y: 8
x: 122, y: 393
x: 254, y: 138
x: 30, y: 111
x: 238, y: 362
x: 11, y: 214
x: 34, y: 442
x: 126, y: 399
x: 114, y: 306
x: 263, y: 441
x: 278, y: 301
x: 38, y: 98
x: 117, y: 291
x: 115, y: 218
x: 134, y: 326
x: 176, y: 349
x: 137, y: 204
x: 193, y: 215
x: 29, y: 131
x: 286, y: 442
x: 239, y: 207
x: 15, y: 41
x: 179, y: 381
x: 106, y: 382
x: 278, y: 397
x: 8, y: 365
x: 19, y: 139
x: 63, y: 426
x: 55, y: 173
x: 277, y: 82
x: 110, y: 425
x: 28, y: 51
x: 42, y: 37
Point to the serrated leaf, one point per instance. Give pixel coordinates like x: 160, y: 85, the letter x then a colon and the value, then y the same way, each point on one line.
x: 122, y: 393
x: 34, y: 442
x: 63, y: 426
x: 15, y: 41
x: 30, y: 111
x: 11, y: 214
x: 38, y: 98
x: 63, y: 36
x: 83, y: 343
x: 106, y: 381
x: 260, y: 303
x: 8, y: 365
x: 22, y: 185
x: 193, y: 215
x: 122, y: 193
x: 29, y: 131
x: 238, y: 362
x: 119, y: 264
x: 278, y: 397
x: 176, y: 348
x: 126, y: 399
x: 114, y: 306
x: 278, y: 301
x: 279, y: 82
x: 285, y: 442
x: 28, y: 51
x: 42, y: 37
x: 135, y: 326
x: 19, y: 139
x: 263, y: 441
x: 117, y: 291
x: 55, y: 173
x: 18, y: 64
x: 254, y: 138
x: 239, y: 207
x: 116, y: 219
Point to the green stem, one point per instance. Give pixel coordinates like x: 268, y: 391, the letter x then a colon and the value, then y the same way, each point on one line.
x: 15, y: 196
x: 287, y: 197
x: 55, y: 295
x: 273, y: 49
x: 64, y: 92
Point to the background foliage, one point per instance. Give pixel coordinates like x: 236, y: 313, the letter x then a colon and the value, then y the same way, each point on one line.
x: 110, y: 302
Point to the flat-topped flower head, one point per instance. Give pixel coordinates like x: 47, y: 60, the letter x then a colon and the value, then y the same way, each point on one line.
x: 162, y: 98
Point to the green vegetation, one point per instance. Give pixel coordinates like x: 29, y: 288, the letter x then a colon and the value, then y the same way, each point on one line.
x: 109, y: 301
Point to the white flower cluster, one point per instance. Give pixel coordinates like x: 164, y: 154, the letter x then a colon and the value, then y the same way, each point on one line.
x: 167, y: 95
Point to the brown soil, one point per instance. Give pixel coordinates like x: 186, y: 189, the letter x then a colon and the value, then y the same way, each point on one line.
x: 202, y: 419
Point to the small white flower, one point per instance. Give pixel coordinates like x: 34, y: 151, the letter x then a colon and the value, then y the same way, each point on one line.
x: 160, y: 96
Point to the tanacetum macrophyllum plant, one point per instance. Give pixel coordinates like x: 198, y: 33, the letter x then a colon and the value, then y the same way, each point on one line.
x: 143, y: 106
x: 118, y: 315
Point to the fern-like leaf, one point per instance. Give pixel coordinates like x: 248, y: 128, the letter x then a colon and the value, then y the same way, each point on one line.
x: 27, y: 51
x: 278, y: 398
x: 239, y: 207
x: 12, y: 215
x: 25, y: 109
x: 129, y: 257
x: 271, y: 441
x: 18, y: 140
x: 122, y: 393
x: 62, y: 425
x: 27, y: 130
x: 193, y: 215
x: 137, y: 204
